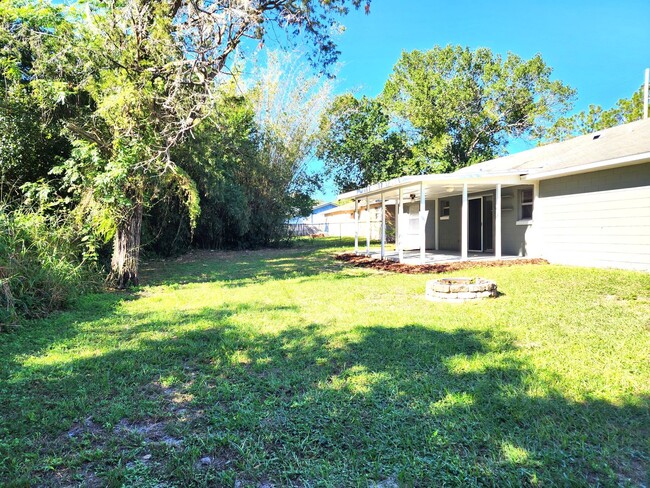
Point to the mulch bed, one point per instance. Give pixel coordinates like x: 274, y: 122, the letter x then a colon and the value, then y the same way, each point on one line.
x: 395, y: 267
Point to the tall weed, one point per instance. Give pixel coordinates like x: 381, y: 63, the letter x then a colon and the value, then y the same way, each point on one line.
x: 41, y: 265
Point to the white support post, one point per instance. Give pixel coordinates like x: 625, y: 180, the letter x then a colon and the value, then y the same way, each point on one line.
x: 367, y: 226
x: 383, y: 227
x: 395, y: 211
x: 464, y: 225
x: 356, y: 226
x: 497, y: 224
x: 436, y: 223
x: 423, y: 221
x: 400, y: 240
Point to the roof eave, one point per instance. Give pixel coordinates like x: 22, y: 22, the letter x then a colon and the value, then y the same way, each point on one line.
x: 506, y: 178
x: 586, y: 168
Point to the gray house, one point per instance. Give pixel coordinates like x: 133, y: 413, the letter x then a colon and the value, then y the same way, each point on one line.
x: 585, y: 201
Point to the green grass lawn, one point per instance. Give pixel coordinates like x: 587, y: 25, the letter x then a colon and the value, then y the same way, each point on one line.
x: 287, y: 368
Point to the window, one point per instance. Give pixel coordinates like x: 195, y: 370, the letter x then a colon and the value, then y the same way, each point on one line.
x: 444, y: 209
x: 526, y: 204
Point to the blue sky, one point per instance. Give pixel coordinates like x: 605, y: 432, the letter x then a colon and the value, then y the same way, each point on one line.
x: 600, y: 48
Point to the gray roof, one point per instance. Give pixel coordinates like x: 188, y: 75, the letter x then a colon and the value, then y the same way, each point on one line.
x: 608, y: 144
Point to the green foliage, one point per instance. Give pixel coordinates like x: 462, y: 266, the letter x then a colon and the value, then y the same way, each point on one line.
x: 244, y: 198
x: 463, y: 106
x: 30, y: 145
x: 440, y: 110
x: 360, y: 147
x: 30, y: 137
x: 596, y: 118
x: 41, y: 264
x: 288, y: 101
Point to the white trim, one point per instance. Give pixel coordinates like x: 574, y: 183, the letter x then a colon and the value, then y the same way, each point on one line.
x: 436, y: 224
x: 444, y: 217
x: 422, y: 227
x: 400, y: 212
x: 498, y: 223
x: 524, y: 222
x: 586, y: 168
x: 383, y: 227
x: 356, y: 226
x: 367, y: 226
x: 506, y: 178
x: 464, y: 224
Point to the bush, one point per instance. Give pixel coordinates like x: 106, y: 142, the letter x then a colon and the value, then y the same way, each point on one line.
x: 41, y: 265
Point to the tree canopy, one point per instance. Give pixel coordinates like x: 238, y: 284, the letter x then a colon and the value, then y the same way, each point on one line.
x: 464, y: 105
x: 359, y: 145
x: 440, y: 110
x: 597, y: 118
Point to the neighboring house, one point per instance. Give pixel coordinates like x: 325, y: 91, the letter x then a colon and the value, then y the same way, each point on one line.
x: 585, y: 201
x: 316, y: 215
x: 340, y: 220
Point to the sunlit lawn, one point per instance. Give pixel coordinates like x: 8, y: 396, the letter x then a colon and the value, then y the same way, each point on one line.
x: 287, y: 368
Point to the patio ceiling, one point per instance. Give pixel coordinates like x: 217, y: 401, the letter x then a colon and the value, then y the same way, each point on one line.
x: 437, y: 185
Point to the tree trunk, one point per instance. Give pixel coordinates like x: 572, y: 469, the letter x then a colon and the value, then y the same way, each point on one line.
x: 126, y: 249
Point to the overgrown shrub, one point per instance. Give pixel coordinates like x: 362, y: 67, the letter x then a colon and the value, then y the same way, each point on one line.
x: 245, y: 197
x: 41, y: 265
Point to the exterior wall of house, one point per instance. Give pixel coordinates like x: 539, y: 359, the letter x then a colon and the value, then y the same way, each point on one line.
x: 515, y: 235
x: 597, y: 219
x: 449, y: 229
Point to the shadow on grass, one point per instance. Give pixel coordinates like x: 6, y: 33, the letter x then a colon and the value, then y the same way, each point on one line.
x: 242, y: 268
x: 301, y: 406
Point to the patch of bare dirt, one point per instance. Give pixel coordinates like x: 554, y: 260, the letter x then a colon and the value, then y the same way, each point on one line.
x: 150, y: 431
x: 635, y: 472
x: 85, y: 428
x: 395, y: 267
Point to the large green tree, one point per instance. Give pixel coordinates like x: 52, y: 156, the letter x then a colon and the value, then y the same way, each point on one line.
x: 359, y: 145
x: 597, y: 118
x: 151, y: 71
x: 464, y: 105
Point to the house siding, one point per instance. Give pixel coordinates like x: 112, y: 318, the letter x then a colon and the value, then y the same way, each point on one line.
x: 596, y: 219
x: 450, y: 228
x: 514, y: 238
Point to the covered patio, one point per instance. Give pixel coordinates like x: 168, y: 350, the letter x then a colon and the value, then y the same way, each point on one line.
x: 422, y: 233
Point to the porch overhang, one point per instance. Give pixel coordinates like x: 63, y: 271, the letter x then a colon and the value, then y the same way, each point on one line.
x: 436, y: 184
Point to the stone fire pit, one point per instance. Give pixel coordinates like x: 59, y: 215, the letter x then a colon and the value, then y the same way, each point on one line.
x: 460, y: 289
